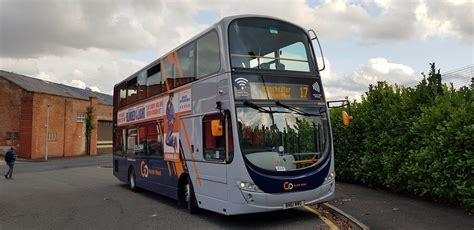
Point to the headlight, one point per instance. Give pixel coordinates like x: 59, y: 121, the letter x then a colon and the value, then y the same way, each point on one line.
x: 331, y: 176
x: 247, y: 186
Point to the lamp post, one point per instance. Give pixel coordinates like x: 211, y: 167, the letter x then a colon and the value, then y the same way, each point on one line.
x: 47, y: 131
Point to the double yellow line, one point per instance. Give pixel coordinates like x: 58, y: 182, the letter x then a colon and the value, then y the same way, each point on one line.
x: 331, y: 224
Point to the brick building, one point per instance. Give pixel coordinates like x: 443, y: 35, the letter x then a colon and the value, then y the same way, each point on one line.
x: 41, y: 117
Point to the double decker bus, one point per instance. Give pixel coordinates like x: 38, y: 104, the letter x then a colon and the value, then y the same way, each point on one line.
x: 234, y: 121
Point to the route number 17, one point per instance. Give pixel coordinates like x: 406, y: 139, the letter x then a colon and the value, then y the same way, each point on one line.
x: 303, y: 92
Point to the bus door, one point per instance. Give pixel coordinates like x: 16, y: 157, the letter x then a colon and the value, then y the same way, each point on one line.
x: 205, y: 154
x: 151, y: 140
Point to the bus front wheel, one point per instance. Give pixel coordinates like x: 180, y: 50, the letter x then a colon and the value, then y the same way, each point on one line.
x: 190, y: 197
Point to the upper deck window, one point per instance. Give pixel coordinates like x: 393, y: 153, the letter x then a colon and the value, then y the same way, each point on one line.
x: 132, y: 90
x: 154, y: 81
x: 257, y: 43
x: 121, y: 94
x: 208, y: 60
x: 179, y: 66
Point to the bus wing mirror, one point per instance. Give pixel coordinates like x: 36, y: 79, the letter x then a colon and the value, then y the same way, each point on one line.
x: 346, y: 118
x: 216, y: 128
x: 315, y: 37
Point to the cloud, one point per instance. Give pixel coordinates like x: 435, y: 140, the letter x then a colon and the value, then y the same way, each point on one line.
x: 367, y: 21
x: 82, y: 85
x: 94, y: 67
x: 77, y: 84
x: 379, y: 69
x: 31, y: 29
x: 356, y: 83
x: 91, y: 41
x: 95, y: 89
x: 438, y: 18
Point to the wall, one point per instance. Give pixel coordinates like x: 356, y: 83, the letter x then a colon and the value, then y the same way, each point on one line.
x: 70, y: 137
x: 27, y: 114
x: 15, y: 116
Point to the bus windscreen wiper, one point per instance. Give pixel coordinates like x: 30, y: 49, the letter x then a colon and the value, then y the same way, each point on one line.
x: 256, y: 107
x: 298, y: 111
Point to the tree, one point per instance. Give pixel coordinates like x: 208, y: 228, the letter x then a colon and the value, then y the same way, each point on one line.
x: 416, y: 140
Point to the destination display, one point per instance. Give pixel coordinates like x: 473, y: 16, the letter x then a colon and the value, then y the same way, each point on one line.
x: 246, y: 88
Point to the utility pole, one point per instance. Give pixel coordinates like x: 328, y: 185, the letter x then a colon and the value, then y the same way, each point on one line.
x: 47, y: 132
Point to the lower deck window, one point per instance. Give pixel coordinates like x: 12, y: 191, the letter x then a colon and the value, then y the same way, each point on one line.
x: 144, y: 140
x: 216, y: 147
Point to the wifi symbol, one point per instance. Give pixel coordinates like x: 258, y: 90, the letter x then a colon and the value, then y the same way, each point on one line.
x: 242, y: 82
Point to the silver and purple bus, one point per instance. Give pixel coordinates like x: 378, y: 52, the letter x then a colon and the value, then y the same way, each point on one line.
x: 234, y: 121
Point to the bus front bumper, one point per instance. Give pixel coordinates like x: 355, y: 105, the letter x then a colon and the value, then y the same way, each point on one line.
x: 254, y: 202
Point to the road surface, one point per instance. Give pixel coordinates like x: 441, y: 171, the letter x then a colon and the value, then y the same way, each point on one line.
x: 80, y: 193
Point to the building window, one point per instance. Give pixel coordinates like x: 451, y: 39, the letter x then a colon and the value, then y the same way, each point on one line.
x: 12, y: 136
x: 81, y: 118
x: 52, y: 136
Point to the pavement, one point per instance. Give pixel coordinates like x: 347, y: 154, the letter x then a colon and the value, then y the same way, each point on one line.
x: 385, y: 210
x: 40, y: 165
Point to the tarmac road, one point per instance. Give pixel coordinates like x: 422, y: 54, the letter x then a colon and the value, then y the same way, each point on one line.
x: 77, y: 193
x: 385, y: 210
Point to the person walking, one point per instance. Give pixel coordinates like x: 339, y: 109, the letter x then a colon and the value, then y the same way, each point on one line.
x: 10, y: 158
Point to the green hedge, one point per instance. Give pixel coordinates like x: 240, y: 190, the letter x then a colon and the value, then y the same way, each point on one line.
x: 414, y: 140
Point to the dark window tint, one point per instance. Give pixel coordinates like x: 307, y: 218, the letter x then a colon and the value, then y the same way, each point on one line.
x: 122, y: 94
x: 154, y: 139
x: 169, y: 70
x: 132, y: 90
x: 132, y: 141
x: 116, y: 97
x: 208, y: 60
x: 142, y: 86
x: 118, y: 141
x: 155, y: 82
x: 185, y: 65
x: 140, y: 148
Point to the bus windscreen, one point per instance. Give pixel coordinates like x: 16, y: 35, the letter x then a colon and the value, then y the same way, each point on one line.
x: 267, y: 44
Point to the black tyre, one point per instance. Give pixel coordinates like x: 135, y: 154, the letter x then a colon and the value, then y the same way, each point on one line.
x: 190, y: 198
x: 132, y: 182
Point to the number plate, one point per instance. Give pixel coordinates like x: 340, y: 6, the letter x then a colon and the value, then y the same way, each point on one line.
x: 293, y: 204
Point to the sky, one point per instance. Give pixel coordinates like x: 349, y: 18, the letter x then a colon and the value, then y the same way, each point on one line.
x: 98, y: 43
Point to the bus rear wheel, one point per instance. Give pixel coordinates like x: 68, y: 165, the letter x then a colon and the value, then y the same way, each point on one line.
x: 190, y: 197
x: 132, y: 183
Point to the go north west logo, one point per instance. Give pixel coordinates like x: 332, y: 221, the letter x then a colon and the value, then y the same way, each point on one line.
x: 144, y: 171
x: 287, y: 186
x: 241, y: 82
